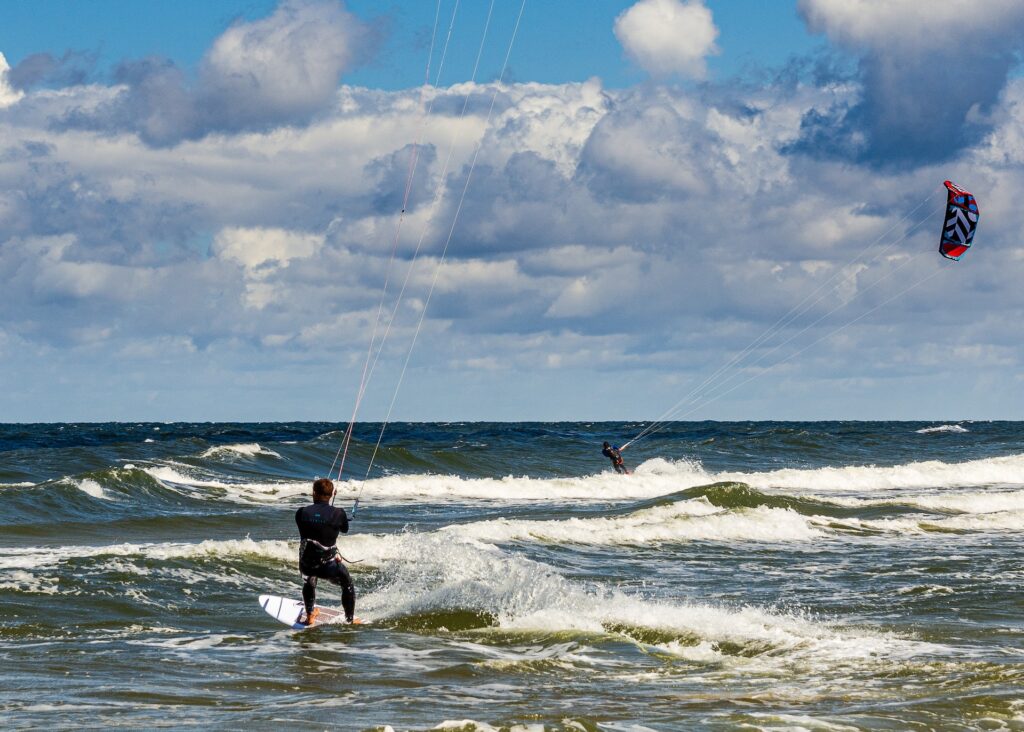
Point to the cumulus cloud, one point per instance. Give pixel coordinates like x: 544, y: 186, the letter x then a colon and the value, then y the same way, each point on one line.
x: 280, y: 70
x: 952, y: 23
x: 929, y: 73
x: 256, y: 248
x: 71, y: 68
x: 668, y: 36
x: 262, y: 253
x: 637, y: 235
x: 8, y: 94
x: 648, y: 152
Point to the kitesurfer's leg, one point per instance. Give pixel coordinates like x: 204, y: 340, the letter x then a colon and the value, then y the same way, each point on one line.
x: 337, y: 573
x: 309, y: 593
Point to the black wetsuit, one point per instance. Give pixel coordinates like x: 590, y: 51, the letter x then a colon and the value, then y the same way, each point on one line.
x: 616, y: 458
x: 319, y: 525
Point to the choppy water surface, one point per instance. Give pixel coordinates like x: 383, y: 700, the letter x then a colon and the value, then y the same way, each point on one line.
x: 746, y: 576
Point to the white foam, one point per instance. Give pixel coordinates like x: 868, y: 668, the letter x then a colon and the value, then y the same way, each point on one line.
x: 250, y: 449
x: 432, y: 572
x: 439, y: 571
x: 770, y: 721
x: 466, y: 725
x: 986, y: 522
x: 1001, y: 471
x: 703, y: 652
x: 21, y: 581
x: 26, y: 484
x: 251, y: 493
x: 653, y: 478
x: 569, y: 655
x: 25, y: 558
x: 658, y: 477
x: 459, y: 567
x: 90, y: 487
x: 413, y: 488
x: 942, y: 428
x: 926, y: 590
x: 469, y: 725
x: 648, y: 481
x: 694, y: 520
x: 964, y: 502
x: 186, y: 643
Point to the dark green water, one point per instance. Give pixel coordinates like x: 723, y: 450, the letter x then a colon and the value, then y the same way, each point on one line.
x: 747, y: 576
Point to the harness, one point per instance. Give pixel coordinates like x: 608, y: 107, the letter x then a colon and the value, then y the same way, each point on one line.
x: 313, y: 555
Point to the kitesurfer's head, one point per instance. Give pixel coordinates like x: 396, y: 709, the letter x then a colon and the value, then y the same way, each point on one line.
x: 607, y: 445
x: 323, y: 489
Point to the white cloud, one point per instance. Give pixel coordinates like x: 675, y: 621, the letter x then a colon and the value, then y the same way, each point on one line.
x: 653, y: 149
x: 262, y: 252
x: 277, y: 71
x: 668, y: 36
x: 625, y: 231
x: 911, y: 22
x: 255, y: 247
x: 553, y: 121
x: 1005, y: 145
x: 288, y: 62
x: 8, y: 95
x: 929, y: 75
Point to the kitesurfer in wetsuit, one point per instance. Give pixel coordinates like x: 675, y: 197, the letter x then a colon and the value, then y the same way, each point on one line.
x: 615, y: 455
x: 319, y: 525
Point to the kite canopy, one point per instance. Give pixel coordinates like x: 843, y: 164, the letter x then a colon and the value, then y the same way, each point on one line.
x: 961, y: 220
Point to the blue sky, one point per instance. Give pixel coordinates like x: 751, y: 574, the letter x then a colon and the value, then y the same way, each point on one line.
x: 730, y: 200
x: 570, y: 40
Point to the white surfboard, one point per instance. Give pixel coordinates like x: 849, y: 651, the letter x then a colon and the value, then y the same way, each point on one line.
x: 290, y: 612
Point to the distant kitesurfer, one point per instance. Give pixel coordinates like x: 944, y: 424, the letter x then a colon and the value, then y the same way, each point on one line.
x: 319, y: 525
x: 615, y: 455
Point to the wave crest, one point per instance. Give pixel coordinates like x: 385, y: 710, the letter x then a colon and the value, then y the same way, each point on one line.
x: 249, y: 449
x: 942, y: 428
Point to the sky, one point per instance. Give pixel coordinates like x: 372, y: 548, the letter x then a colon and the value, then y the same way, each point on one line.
x: 713, y: 209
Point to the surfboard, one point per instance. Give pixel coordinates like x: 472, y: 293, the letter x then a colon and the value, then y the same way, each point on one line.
x: 290, y: 612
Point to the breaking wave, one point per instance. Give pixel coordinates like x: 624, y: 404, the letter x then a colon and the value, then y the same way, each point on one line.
x: 931, y: 474
x: 251, y: 449
x: 424, y: 579
x: 696, y: 520
x: 655, y: 477
x: 942, y: 428
x: 177, y: 474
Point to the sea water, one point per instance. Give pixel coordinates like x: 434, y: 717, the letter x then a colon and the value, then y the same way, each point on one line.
x: 769, y: 575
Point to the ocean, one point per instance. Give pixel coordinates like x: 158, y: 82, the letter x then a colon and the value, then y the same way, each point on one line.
x: 747, y: 575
